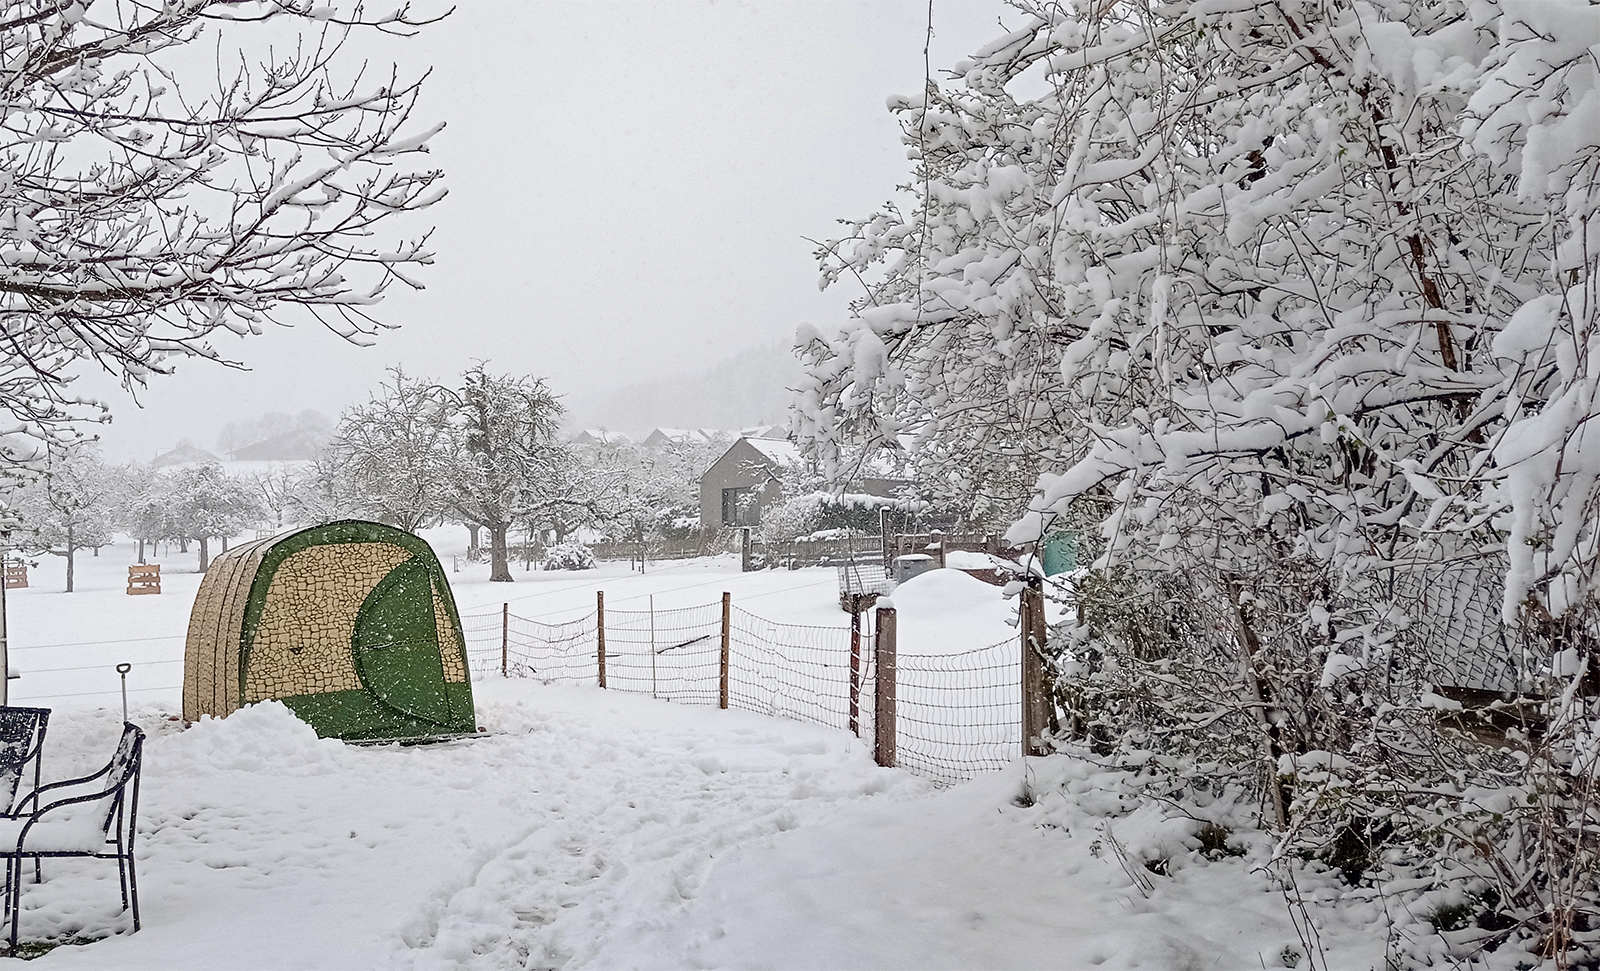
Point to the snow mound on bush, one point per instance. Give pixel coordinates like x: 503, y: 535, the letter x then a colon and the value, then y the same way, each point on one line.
x: 948, y: 612
x: 569, y: 556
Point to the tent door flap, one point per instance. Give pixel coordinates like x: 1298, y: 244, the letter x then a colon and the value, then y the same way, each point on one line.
x: 395, y: 645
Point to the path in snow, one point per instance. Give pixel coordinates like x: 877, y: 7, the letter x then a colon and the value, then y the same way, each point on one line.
x: 583, y: 812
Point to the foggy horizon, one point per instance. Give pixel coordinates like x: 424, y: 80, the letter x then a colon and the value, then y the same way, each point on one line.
x: 565, y: 253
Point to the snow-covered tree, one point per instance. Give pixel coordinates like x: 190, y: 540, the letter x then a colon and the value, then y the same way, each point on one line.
x: 69, y: 507
x: 396, y: 454
x: 144, y: 207
x: 207, y: 502
x: 507, y: 459
x: 1292, y: 306
x: 144, y: 507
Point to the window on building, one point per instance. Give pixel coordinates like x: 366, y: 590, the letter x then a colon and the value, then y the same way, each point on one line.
x: 740, y: 507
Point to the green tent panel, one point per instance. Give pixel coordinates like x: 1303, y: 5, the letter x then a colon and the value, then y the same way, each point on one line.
x: 351, y: 625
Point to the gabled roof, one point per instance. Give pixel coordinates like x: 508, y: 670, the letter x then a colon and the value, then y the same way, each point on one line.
x: 290, y: 446
x: 779, y: 450
x: 184, y: 454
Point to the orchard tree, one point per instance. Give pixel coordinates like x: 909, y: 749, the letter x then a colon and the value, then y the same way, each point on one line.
x: 69, y: 507
x: 507, y: 459
x: 148, y: 207
x: 207, y: 502
x: 396, y: 454
x: 144, y: 505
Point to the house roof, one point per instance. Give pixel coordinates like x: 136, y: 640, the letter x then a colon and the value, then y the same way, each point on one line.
x: 779, y: 450
x: 295, y: 445
x: 183, y: 454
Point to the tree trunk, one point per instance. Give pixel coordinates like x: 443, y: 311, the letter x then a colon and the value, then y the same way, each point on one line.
x: 97, y: 551
x: 70, y: 548
x: 472, y: 543
x: 183, y: 544
x: 205, y: 555
x: 499, y: 563
x: 141, y: 552
x: 224, y: 544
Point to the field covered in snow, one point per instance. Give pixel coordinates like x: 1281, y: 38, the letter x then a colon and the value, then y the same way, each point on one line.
x: 603, y: 829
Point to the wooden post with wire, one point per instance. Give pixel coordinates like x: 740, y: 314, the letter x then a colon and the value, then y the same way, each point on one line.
x: 727, y: 620
x: 1035, y: 703
x: 883, y: 747
x: 855, y: 664
x: 600, y: 633
x: 505, y: 638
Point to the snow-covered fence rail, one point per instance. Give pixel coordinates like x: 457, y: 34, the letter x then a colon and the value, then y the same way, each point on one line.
x: 957, y: 713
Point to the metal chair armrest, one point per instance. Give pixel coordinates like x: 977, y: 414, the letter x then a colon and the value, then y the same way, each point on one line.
x: 34, y: 795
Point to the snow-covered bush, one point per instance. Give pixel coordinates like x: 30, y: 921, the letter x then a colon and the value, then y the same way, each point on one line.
x: 795, y: 516
x: 1295, y: 306
x: 569, y: 556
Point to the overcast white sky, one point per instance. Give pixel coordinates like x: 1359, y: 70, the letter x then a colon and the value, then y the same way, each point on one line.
x: 630, y: 185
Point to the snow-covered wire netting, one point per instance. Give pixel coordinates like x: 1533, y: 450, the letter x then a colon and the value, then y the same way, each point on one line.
x: 957, y: 713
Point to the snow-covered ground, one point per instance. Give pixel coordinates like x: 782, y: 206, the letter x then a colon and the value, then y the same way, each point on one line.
x: 600, y: 829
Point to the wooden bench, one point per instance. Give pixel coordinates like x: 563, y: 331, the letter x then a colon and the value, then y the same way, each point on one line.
x: 16, y: 576
x: 144, y: 579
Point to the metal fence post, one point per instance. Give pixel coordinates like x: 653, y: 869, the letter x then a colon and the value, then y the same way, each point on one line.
x: 727, y: 618
x: 505, y: 637
x: 600, y: 633
x: 883, y: 747
x: 1035, y: 715
x: 855, y: 664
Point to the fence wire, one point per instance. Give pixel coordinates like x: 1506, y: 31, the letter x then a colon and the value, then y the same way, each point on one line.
x: 957, y: 714
x: 671, y: 654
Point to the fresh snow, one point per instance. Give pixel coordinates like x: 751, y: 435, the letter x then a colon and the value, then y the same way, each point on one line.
x: 590, y: 828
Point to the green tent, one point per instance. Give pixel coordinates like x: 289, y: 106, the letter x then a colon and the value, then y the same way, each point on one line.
x: 351, y: 625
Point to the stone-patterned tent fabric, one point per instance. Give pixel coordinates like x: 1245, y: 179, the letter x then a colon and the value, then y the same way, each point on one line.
x: 351, y: 625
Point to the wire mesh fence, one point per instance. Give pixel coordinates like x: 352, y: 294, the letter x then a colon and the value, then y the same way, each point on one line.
x: 957, y: 714
x: 670, y: 654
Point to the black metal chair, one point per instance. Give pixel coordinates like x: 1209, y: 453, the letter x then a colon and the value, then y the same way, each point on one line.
x: 99, y: 823
x: 21, y: 742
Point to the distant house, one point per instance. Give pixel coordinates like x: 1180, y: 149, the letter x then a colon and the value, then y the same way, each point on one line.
x: 661, y: 437
x: 600, y: 436
x: 745, y: 480
x: 297, y: 446
x: 184, y: 454
x: 748, y: 479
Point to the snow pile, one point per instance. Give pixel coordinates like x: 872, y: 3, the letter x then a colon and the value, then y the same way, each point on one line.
x: 948, y: 611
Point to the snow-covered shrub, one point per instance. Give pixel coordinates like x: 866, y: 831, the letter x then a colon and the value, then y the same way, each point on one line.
x: 1297, y: 307
x: 795, y: 516
x: 569, y: 556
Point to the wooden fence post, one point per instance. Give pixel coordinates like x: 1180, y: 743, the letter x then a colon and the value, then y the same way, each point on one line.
x: 600, y: 633
x: 727, y: 619
x: 855, y: 664
x: 505, y: 637
x: 744, y: 550
x: 883, y: 535
x: 883, y: 747
x: 1035, y: 714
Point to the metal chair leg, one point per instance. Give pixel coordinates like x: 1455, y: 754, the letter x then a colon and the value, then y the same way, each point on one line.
x: 14, y: 904
x: 122, y: 877
x: 133, y: 890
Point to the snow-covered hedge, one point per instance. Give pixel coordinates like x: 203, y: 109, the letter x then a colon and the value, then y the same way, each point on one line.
x: 568, y: 556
